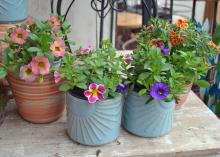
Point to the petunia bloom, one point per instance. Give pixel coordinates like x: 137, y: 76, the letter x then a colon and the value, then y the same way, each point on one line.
x: 27, y: 74
x: 181, y: 23
x: 155, y: 42
x: 86, y: 50
x: 19, y: 36
x: 57, y: 77
x: 165, y: 50
x: 40, y: 65
x: 30, y: 21
x: 56, y: 22
x: 160, y: 91
x: 95, y: 93
x: 122, y: 87
x: 128, y: 58
x: 58, y: 48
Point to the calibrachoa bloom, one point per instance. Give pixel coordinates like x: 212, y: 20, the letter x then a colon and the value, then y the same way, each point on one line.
x: 58, y: 48
x: 122, y: 87
x: 160, y: 91
x: 57, y: 77
x: 19, y: 36
x: 181, y: 23
x: 212, y: 45
x: 30, y: 21
x: 175, y: 39
x: 27, y: 74
x: 165, y: 50
x: 86, y: 51
x: 40, y: 65
x: 155, y: 42
x: 95, y: 93
x: 56, y: 22
x: 128, y: 58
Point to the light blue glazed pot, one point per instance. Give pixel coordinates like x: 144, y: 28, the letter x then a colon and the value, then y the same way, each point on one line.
x: 147, y: 120
x: 13, y: 10
x: 93, y: 124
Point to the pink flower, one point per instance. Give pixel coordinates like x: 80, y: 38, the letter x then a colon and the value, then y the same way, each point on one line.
x: 19, y: 36
x: 57, y: 77
x: 56, y: 22
x: 30, y: 21
x: 40, y: 65
x: 95, y: 93
x: 58, y: 47
x: 127, y: 58
x: 86, y: 51
x: 27, y: 74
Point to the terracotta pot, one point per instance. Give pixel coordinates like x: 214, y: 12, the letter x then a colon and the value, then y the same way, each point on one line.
x: 37, y: 102
x: 184, y: 96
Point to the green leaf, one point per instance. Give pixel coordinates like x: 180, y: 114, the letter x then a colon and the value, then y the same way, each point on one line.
x: 34, y: 49
x: 202, y: 83
x: 142, y: 92
x: 39, y: 24
x: 65, y: 87
x: 82, y: 85
x: 33, y: 36
x: 3, y: 72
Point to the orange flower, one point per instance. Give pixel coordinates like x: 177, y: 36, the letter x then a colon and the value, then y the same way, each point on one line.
x: 212, y: 44
x: 182, y: 23
x: 172, y: 34
x: 152, y: 42
x: 173, y: 42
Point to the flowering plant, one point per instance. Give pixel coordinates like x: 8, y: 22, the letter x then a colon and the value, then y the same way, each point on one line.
x: 34, y: 48
x: 169, y: 57
x: 92, y: 74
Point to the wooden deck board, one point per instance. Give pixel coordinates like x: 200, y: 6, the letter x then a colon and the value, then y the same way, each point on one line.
x: 196, y: 132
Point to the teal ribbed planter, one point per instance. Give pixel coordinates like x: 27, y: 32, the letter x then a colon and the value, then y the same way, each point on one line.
x: 147, y: 120
x: 13, y: 10
x: 93, y: 124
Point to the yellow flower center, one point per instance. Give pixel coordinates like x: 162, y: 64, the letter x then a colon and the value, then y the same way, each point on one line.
x: 41, y: 64
x: 28, y: 72
x: 20, y: 35
x: 57, y: 48
x: 95, y: 92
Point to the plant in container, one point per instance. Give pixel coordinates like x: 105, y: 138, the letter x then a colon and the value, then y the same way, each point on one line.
x: 94, y: 106
x: 3, y: 102
x: 187, y: 44
x: 30, y: 60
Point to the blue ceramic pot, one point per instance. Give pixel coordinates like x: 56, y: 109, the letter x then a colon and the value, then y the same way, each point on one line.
x: 93, y: 124
x: 13, y: 10
x: 148, y: 120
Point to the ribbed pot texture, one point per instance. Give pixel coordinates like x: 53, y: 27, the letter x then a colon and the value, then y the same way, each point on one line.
x: 93, y: 124
x: 13, y: 10
x: 153, y: 119
x: 184, y: 96
x: 37, y: 102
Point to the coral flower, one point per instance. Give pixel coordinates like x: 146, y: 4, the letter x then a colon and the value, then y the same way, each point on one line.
x: 19, y: 36
x: 128, y: 58
x: 40, y: 65
x: 95, y: 93
x: 181, y: 23
x: 56, y: 22
x: 27, y: 74
x: 57, y: 77
x: 58, y: 48
x: 160, y: 91
x: 86, y: 51
x: 212, y: 45
x: 153, y: 42
x: 30, y: 21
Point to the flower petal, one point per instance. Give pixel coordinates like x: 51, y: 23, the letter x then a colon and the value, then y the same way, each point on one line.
x: 92, y: 99
x: 100, y: 97
x: 87, y: 93
x: 92, y: 86
x: 101, y: 89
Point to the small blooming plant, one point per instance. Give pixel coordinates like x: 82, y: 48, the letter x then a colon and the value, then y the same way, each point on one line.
x: 169, y: 57
x: 34, y: 48
x: 93, y: 74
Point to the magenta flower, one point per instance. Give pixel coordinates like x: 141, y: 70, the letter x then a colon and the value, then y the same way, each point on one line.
x: 87, y: 50
x: 19, y: 36
x: 40, y: 65
x: 58, y: 47
x: 128, y: 58
x: 57, y: 77
x: 56, y: 22
x: 165, y: 50
x: 95, y: 93
x: 160, y: 91
x: 27, y: 74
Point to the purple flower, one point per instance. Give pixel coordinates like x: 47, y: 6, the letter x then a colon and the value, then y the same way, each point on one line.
x: 165, y: 50
x: 160, y: 91
x: 122, y: 87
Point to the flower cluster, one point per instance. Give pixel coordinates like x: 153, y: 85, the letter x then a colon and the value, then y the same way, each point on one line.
x: 169, y: 57
x: 34, y: 48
